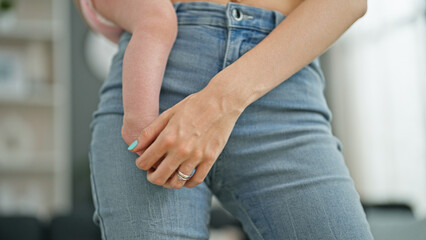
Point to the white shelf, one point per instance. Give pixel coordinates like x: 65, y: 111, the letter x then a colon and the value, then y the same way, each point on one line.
x: 29, y: 164
x: 38, y: 95
x: 28, y: 30
x: 38, y: 31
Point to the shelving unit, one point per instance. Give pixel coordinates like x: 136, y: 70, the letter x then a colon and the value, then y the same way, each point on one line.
x: 35, y: 169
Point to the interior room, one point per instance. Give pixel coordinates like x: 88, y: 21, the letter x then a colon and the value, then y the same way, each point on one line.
x: 52, y: 67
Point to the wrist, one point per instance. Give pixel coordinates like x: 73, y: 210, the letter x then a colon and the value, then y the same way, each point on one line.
x: 134, y: 119
x: 228, y: 99
x: 231, y: 88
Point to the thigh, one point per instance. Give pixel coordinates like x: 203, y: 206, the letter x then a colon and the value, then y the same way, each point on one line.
x: 282, y: 173
x: 130, y: 207
x: 301, y: 193
x: 127, y: 206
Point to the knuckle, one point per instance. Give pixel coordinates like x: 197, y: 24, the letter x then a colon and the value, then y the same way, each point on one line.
x: 168, y: 140
x: 184, y: 151
x: 170, y: 168
x: 210, y: 156
x: 145, y: 133
x: 197, y: 155
x: 142, y: 165
x: 177, y: 185
x: 198, y: 181
x: 155, y: 180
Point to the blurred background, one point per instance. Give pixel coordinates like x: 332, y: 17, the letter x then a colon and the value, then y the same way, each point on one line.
x: 51, y: 68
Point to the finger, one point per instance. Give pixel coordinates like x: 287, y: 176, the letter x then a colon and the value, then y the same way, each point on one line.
x: 187, y: 168
x: 151, y: 159
x: 199, y: 175
x: 155, y: 166
x: 164, y: 171
x: 168, y: 183
x: 155, y: 151
x: 150, y: 133
x: 140, y: 153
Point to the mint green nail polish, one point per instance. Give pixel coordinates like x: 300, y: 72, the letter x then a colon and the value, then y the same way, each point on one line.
x: 133, y: 145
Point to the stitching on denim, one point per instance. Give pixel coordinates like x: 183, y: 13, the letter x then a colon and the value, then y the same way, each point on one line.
x: 322, y: 206
x: 246, y: 213
x: 258, y: 29
x: 200, y: 23
x: 292, y: 220
x: 217, y: 24
x: 312, y: 70
x: 228, y: 43
x: 95, y: 196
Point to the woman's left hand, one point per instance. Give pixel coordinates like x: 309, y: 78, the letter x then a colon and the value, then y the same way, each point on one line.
x: 189, y: 135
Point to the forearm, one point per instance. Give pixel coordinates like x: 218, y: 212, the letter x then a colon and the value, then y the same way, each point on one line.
x: 143, y: 69
x: 304, y: 35
x: 153, y: 25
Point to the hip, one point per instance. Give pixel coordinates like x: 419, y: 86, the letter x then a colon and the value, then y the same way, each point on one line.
x: 211, y: 37
x: 283, y: 6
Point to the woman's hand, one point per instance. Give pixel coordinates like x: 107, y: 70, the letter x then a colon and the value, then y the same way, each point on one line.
x: 189, y: 135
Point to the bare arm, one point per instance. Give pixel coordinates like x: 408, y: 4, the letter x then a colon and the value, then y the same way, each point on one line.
x: 194, y: 132
x: 153, y: 25
x: 304, y: 35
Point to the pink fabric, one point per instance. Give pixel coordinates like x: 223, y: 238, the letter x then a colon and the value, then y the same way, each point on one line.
x: 111, y: 32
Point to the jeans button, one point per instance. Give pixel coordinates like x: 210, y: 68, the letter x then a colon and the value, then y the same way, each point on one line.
x: 237, y: 14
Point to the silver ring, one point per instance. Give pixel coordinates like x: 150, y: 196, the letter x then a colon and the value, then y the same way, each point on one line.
x: 183, y: 176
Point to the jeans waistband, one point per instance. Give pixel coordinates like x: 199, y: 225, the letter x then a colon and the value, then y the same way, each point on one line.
x: 231, y: 15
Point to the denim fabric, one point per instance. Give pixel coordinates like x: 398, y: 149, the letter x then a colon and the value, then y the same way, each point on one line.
x: 281, y: 174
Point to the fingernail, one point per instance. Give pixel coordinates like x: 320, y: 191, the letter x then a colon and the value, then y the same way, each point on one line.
x: 133, y: 145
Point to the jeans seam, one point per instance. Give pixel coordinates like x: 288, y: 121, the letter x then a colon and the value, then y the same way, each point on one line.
x: 325, y: 212
x: 311, y: 69
x: 292, y: 221
x: 246, y: 214
x: 95, y: 196
x: 228, y: 43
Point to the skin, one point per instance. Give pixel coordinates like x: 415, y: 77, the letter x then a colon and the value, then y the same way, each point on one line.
x: 284, y: 6
x: 153, y: 25
x: 194, y: 132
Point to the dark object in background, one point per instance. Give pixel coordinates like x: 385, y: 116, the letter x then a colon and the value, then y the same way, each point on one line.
x: 25, y: 228
x: 73, y: 227
x: 219, y: 218
x: 70, y: 227
x: 395, y: 222
x: 5, y: 5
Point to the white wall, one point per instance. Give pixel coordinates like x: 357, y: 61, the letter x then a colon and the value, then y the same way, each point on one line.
x: 377, y: 92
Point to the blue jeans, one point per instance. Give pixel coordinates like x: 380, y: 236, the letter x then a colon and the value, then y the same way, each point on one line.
x: 281, y: 174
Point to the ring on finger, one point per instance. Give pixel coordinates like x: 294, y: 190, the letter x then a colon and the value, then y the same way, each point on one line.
x: 183, y: 176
